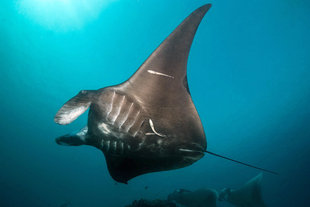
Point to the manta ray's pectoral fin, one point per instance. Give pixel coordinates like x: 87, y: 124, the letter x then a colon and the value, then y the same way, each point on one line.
x: 74, y: 107
x: 73, y: 139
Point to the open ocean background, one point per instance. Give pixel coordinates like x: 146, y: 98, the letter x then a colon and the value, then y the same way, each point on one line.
x: 248, y: 73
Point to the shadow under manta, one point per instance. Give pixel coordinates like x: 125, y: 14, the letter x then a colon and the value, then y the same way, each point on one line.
x: 148, y: 123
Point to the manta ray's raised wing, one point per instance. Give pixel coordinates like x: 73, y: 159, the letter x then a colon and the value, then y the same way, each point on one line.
x: 162, y: 78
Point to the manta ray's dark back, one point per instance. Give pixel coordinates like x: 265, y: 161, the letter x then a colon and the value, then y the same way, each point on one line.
x: 148, y: 123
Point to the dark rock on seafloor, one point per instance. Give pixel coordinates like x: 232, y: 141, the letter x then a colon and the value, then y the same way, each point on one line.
x: 152, y: 203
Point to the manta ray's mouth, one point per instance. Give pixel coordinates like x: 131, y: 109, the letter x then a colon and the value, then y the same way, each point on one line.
x: 192, y: 148
x: 192, y: 153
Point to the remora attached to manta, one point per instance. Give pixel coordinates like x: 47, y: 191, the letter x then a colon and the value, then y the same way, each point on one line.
x: 148, y: 123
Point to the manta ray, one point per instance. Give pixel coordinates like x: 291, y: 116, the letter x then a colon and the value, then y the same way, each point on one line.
x: 148, y: 123
x: 249, y: 195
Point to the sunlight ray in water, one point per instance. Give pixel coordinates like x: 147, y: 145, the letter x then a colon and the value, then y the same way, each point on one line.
x: 62, y: 15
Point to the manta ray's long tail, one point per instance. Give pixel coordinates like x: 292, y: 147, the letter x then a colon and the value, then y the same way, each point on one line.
x: 242, y: 163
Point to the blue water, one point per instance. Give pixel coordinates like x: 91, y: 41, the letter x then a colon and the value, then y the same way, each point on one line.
x: 248, y: 72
